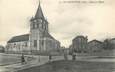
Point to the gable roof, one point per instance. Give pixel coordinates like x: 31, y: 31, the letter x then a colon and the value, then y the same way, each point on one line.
x: 20, y: 38
x: 80, y: 36
x: 95, y: 41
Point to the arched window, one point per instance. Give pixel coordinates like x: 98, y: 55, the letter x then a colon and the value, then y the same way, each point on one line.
x: 37, y: 26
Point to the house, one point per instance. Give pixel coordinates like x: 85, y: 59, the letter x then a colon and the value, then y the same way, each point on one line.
x: 79, y: 44
x: 95, y: 45
x: 37, y: 40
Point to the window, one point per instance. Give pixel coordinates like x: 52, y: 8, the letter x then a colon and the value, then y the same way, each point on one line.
x: 37, y: 26
x: 35, y: 43
x: 43, y: 26
x: 42, y: 43
x: 40, y: 25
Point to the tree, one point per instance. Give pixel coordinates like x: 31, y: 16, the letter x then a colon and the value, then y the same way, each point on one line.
x: 107, y: 44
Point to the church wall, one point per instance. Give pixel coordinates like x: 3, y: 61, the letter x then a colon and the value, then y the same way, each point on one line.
x: 34, y: 36
x: 52, y: 45
x: 18, y: 47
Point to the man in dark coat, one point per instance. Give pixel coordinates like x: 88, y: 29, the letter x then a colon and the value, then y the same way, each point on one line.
x: 23, y: 59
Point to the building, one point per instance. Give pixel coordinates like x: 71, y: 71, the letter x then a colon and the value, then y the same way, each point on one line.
x: 95, y: 46
x: 38, y: 40
x: 79, y: 44
x: 2, y: 49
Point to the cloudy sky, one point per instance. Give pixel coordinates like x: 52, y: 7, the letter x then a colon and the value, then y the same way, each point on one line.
x: 66, y: 20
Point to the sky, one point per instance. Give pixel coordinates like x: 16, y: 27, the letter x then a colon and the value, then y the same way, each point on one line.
x: 66, y: 20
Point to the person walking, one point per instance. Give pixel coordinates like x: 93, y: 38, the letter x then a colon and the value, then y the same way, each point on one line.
x: 73, y: 56
x: 65, y: 56
x: 50, y: 58
x: 23, y: 59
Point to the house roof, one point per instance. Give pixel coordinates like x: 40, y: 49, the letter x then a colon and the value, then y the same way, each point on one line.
x: 24, y: 37
x: 95, y: 41
x: 79, y: 37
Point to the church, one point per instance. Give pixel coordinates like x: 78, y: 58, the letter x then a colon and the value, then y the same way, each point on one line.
x: 37, y: 40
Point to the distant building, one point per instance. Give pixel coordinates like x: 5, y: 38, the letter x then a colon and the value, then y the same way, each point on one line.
x: 94, y: 46
x: 38, y: 40
x: 79, y: 44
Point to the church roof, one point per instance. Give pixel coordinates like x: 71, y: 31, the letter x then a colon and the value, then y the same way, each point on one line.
x: 47, y: 35
x: 39, y: 13
x: 25, y: 37
x: 20, y: 38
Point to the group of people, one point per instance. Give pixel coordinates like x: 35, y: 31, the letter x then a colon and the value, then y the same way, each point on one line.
x: 23, y: 61
x: 73, y: 56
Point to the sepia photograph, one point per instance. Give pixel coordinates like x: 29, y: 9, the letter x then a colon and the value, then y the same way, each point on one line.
x: 57, y: 36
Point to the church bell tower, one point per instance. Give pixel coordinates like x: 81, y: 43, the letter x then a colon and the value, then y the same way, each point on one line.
x: 38, y: 27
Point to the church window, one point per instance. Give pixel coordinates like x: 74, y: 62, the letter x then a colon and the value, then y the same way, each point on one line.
x: 42, y: 43
x: 40, y: 25
x: 40, y: 20
x: 35, y: 43
x: 35, y: 25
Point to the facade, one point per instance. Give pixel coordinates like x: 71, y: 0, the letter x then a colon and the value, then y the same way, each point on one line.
x: 94, y: 46
x: 38, y: 39
x: 18, y: 44
x: 79, y: 44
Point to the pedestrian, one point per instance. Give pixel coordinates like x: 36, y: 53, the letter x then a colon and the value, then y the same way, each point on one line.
x: 65, y: 56
x: 50, y: 58
x: 73, y: 56
x: 23, y: 59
